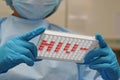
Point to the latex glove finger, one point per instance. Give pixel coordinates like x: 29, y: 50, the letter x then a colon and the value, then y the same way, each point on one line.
x: 102, y: 60
x: 101, y: 41
x: 26, y: 60
x: 94, y: 54
x: 100, y: 67
x: 19, y: 59
x: 21, y: 51
x: 29, y: 46
x: 26, y: 53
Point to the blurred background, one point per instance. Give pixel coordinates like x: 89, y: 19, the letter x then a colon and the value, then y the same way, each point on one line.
x: 86, y: 17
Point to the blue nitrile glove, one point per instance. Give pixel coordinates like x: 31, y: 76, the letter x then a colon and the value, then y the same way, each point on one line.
x: 18, y: 50
x: 103, y: 60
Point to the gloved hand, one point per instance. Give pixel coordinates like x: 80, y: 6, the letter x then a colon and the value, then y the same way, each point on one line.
x: 18, y: 50
x: 103, y: 60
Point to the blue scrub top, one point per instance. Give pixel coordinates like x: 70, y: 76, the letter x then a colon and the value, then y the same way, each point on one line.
x: 45, y: 69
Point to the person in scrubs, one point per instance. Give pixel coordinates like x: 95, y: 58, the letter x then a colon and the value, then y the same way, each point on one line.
x: 18, y: 40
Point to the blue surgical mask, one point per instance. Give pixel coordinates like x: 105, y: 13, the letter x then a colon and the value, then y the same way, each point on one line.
x: 35, y: 9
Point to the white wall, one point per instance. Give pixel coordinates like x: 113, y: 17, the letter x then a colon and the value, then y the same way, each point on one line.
x: 85, y: 16
x: 4, y: 10
x: 95, y: 16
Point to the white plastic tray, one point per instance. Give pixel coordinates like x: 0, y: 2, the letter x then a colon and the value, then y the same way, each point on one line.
x: 65, y: 46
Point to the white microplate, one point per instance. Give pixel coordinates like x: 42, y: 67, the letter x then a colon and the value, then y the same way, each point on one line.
x: 65, y: 46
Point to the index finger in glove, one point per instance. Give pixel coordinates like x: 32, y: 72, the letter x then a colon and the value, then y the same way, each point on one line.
x: 94, y: 54
x: 101, y: 41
